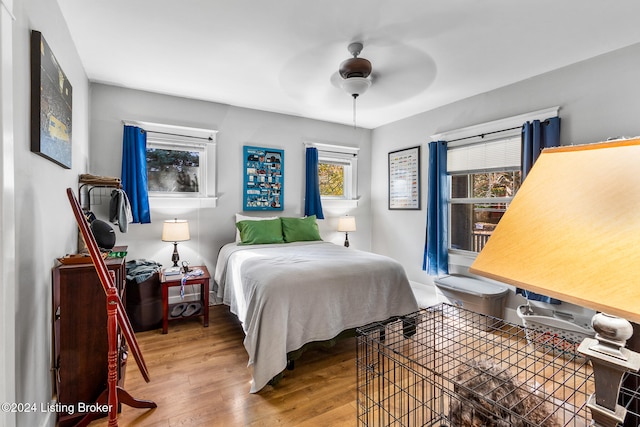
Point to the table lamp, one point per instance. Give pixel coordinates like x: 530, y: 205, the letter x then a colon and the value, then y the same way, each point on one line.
x: 572, y: 232
x: 175, y: 230
x: 346, y: 224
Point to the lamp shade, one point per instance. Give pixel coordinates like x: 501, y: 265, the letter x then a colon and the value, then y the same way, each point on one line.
x: 572, y: 231
x: 347, y: 223
x: 175, y: 230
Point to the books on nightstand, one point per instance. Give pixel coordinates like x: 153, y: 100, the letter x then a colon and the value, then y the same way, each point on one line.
x: 172, y: 271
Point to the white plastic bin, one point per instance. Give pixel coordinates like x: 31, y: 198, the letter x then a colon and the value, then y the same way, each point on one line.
x: 554, y: 331
x: 474, y: 294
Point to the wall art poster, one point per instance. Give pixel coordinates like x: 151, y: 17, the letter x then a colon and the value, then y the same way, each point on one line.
x: 263, y: 179
x: 404, y: 179
x: 51, y: 112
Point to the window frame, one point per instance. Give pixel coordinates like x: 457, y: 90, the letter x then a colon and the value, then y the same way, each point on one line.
x: 477, y: 133
x: 186, y: 139
x: 174, y: 144
x: 346, y: 156
x: 349, y: 164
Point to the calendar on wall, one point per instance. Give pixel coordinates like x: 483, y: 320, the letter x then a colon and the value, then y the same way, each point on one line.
x: 263, y: 179
x: 404, y: 179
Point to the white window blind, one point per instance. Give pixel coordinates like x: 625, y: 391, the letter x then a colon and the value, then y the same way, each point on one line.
x: 499, y: 154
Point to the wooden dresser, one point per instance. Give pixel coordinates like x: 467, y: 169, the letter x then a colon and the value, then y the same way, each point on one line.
x: 80, y: 345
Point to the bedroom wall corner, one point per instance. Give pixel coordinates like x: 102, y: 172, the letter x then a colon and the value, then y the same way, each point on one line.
x: 45, y: 227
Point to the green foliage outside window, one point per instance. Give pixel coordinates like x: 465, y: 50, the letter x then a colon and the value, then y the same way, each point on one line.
x: 172, y: 170
x: 331, y: 179
x: 496, y: 184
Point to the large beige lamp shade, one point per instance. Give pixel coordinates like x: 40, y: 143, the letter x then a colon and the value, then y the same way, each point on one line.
x: 175, y: 230
x: 572, y: 232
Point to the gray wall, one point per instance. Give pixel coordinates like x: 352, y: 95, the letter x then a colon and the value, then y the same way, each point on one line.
x: 598, y: 98
x: 212, y: 227
x: 45, y: 227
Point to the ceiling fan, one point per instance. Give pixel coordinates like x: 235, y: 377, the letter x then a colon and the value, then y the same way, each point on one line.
x: 389, y: 71
x: 355, y: 73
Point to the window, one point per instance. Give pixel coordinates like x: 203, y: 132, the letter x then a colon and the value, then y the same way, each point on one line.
x: 336, y: 174
x: 483, y: 164
x: 180, y: 161
x: 175, y: 169
x: 484, y: 177
x: 483, y: 199
x: 331, y: 179
x: 337, y: 171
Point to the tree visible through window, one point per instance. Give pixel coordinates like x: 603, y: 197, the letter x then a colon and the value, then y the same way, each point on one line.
x: 496, y: 184
x: 331, y: 178
x: 337, y: 172
x: 173, y: 170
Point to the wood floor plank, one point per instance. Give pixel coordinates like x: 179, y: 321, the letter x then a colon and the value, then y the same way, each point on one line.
x: 199, y: 377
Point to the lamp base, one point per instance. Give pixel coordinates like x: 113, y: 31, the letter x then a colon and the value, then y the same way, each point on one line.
x: 346, y: 240
x: 610, y: 360
x: 175, y: 257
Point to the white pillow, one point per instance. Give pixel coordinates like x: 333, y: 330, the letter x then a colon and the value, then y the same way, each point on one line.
x: 240, y: 217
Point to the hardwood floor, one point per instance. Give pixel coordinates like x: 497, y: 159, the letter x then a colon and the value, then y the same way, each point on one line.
x: 199, y: 377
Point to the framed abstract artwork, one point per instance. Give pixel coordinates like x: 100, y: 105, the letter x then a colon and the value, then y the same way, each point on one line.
x: 51, y: 105
x: 404, y: 179
x: 263, y: 183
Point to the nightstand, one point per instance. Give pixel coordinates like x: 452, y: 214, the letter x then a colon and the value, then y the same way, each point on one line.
x: 170, y: 312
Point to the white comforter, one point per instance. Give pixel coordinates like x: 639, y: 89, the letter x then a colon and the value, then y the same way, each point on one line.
x: 287, y: 295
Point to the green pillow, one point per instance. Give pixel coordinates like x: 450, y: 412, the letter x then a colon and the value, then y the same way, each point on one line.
x: 300, y: 229
x: 260, y: 232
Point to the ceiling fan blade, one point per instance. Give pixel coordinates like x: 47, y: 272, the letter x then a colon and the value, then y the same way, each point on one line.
x: 400, y: 72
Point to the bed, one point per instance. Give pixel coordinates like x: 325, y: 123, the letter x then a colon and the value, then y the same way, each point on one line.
x: 287, y: 295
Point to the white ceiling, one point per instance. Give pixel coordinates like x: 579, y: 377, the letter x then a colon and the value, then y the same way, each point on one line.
x: 283, y: 55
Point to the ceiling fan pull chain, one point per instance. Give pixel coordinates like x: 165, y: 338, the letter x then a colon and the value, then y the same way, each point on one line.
x: 354, y: 111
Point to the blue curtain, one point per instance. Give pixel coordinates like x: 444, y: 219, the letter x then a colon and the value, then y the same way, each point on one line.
x: 134, y: 173
x: 312, y: 201
x: 436, y: 259
x: 537, y: 136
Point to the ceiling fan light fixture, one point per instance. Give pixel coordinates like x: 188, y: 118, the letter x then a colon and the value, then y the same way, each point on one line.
x: 355, y: 72
x: 355, y: 86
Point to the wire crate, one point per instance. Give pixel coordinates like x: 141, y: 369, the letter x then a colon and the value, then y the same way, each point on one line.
x: 436, y: 367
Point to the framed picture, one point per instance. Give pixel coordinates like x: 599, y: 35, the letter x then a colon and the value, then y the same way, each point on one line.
x: 51, y: 102
x: 404, y: 179
x: 263, y: 184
